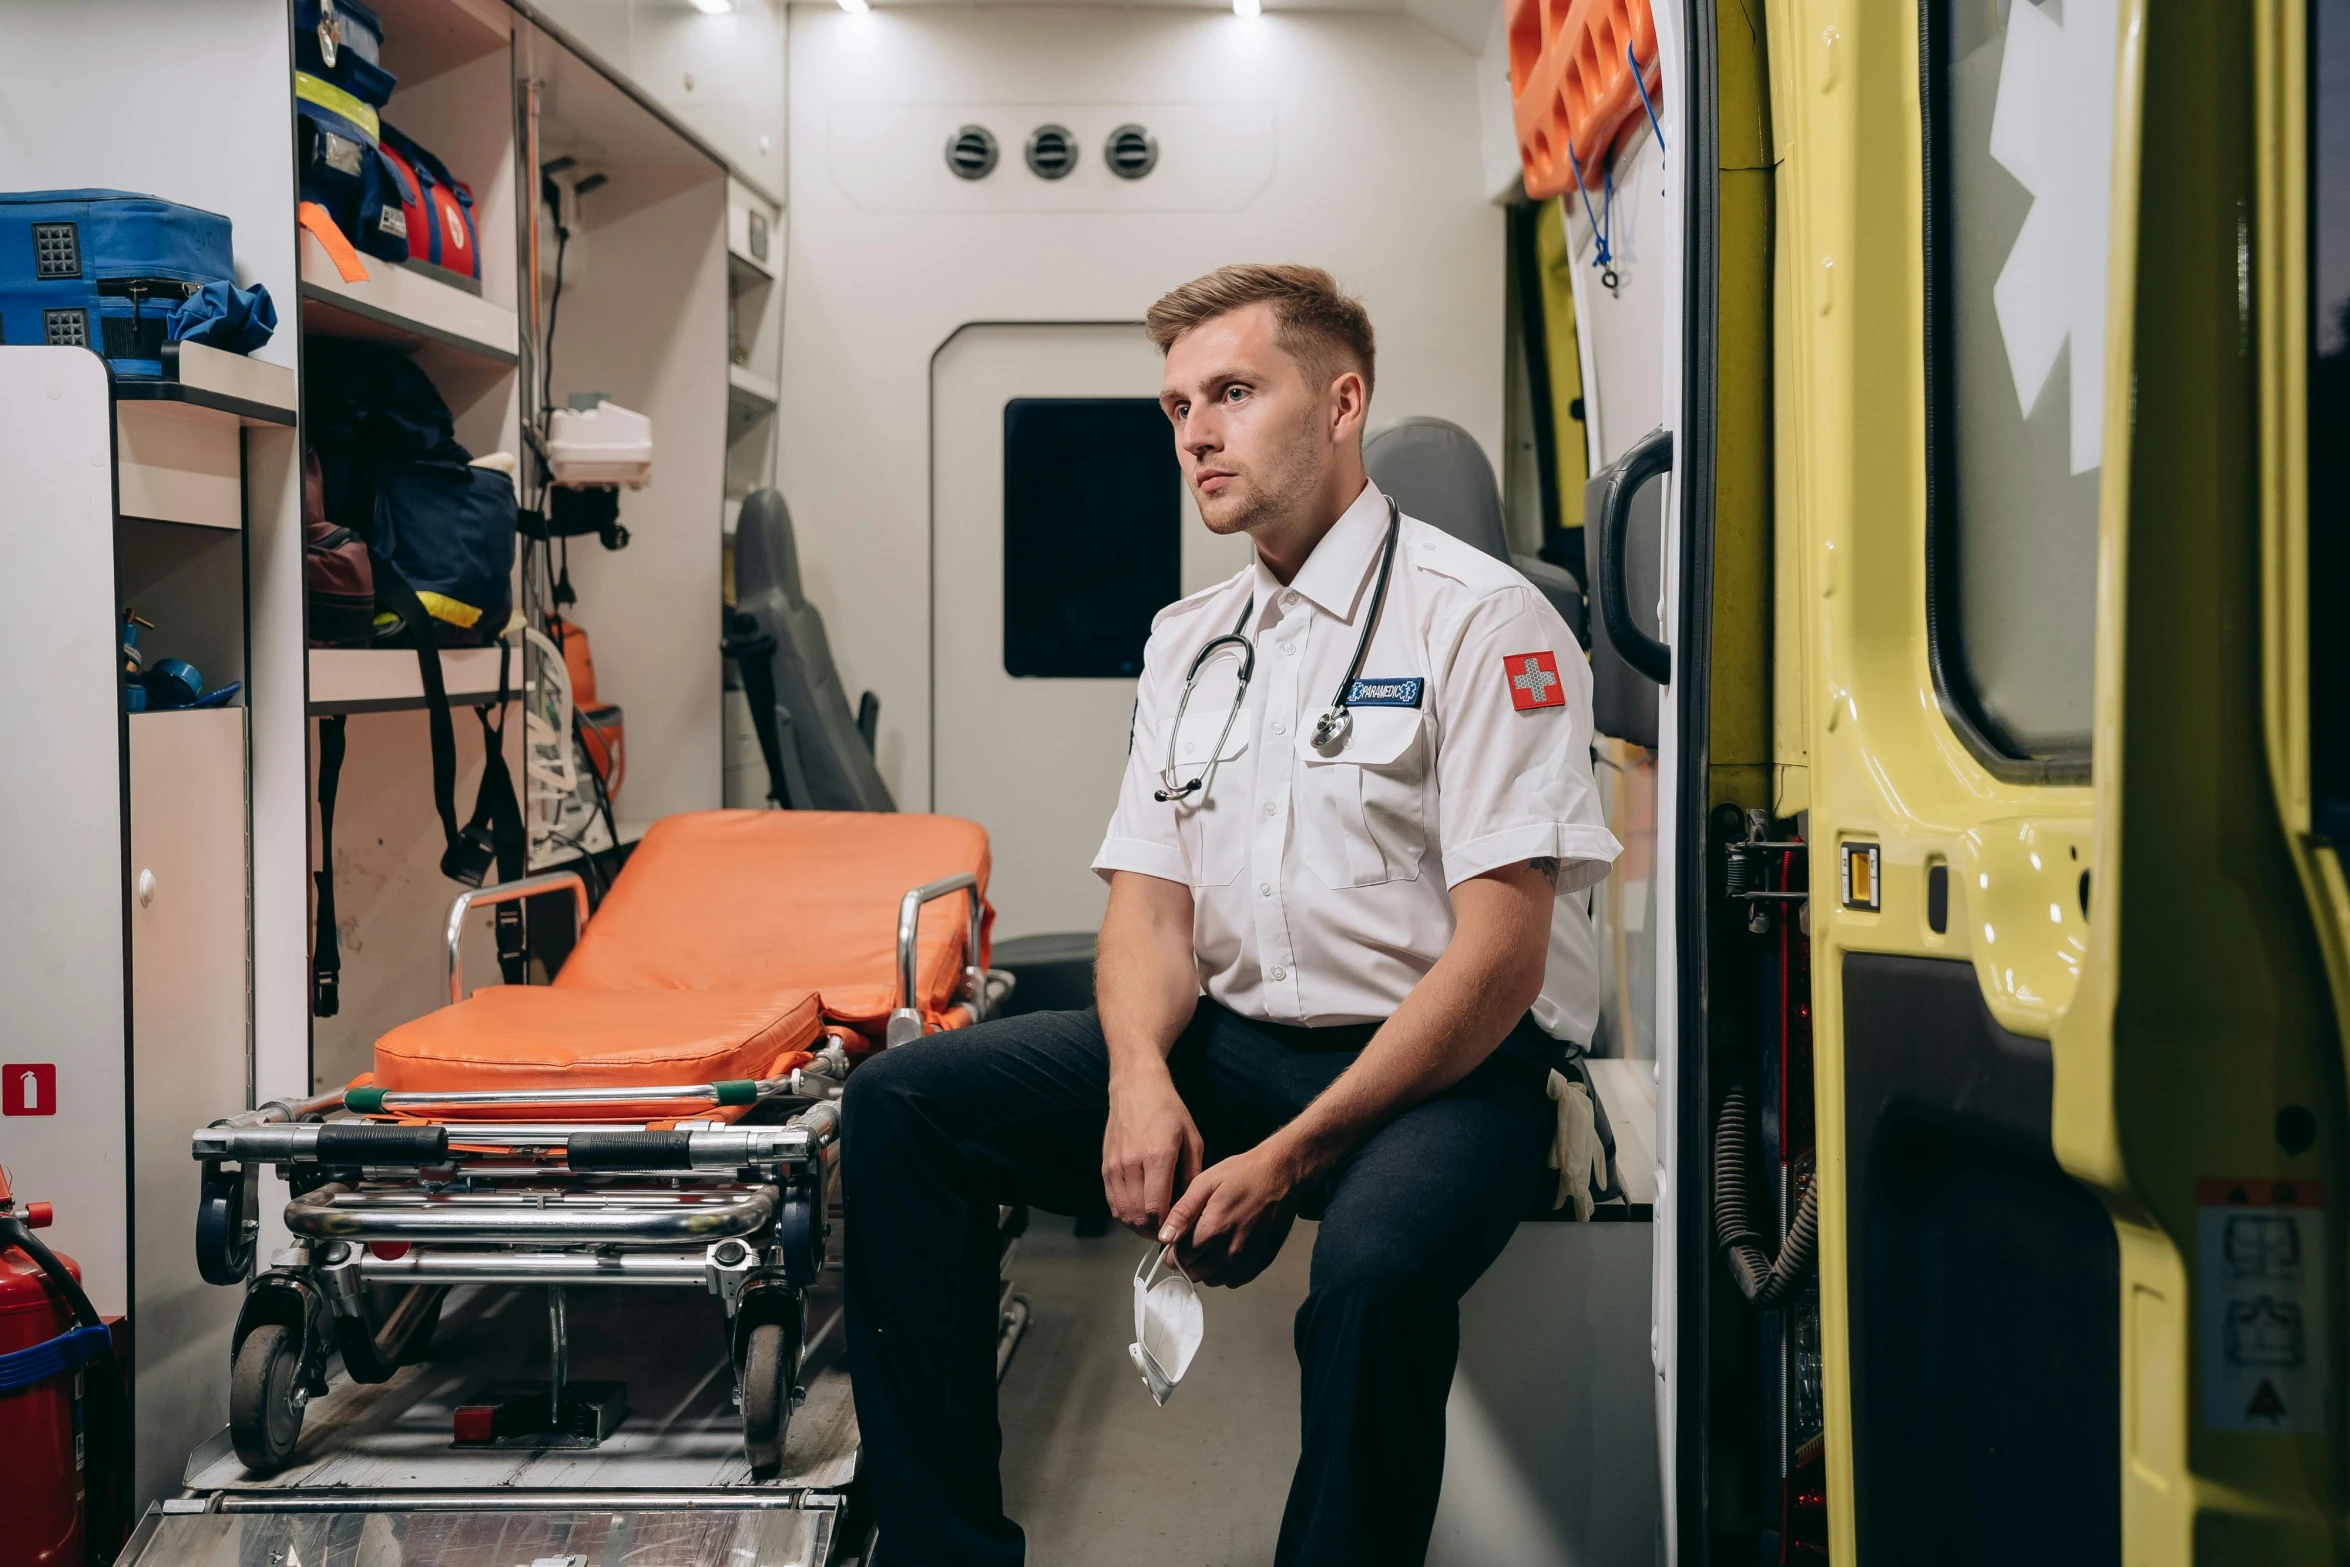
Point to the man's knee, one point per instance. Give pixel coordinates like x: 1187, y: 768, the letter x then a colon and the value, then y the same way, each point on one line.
x: 886, y: 1089
x: 1373, y: 1292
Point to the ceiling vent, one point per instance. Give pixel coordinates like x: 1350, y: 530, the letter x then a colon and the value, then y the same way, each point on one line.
x: 1131, y: 152
x: 1052, y: 152
x: 971, y: 152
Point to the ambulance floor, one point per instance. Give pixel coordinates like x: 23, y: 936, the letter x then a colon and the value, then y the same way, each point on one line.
x: 1092, y: 1470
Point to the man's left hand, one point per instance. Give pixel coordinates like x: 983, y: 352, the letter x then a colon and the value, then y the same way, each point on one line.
x: 1234, y: 1216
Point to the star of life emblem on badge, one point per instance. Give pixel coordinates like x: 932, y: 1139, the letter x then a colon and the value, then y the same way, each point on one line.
x: 1534, y: 681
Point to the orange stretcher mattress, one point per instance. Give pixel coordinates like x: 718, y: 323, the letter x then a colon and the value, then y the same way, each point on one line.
x: 718, y: 899
x: 726, y: 944
x: 509, y: 1037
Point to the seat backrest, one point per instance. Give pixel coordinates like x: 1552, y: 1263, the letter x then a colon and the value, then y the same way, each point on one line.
x: 1438, y: 473
x: 832, y: 754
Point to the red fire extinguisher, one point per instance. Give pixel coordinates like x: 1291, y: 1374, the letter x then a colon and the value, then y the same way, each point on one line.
x: 61, y: 1405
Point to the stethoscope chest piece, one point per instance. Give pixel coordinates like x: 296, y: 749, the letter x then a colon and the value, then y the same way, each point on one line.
x: 1332, y: 729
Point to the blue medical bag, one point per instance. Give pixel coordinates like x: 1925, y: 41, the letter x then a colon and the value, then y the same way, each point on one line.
x: 342, y: 41
x: 339, y: 164
x: 123, y: 274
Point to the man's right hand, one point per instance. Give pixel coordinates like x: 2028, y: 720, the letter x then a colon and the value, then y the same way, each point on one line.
x: 1150, y: 1152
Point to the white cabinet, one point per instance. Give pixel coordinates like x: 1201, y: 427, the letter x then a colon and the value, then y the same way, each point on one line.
x: 188, y: 1060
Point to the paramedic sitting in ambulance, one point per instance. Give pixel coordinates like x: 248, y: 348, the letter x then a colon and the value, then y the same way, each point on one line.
x: 1333, y: 978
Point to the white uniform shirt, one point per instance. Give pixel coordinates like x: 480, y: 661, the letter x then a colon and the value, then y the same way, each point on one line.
x: 1321, y: 886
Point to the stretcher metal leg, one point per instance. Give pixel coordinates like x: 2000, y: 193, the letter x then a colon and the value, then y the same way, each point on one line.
x: 558, y: 1356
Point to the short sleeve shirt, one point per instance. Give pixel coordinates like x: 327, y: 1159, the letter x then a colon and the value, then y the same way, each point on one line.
x: 1322, y: 876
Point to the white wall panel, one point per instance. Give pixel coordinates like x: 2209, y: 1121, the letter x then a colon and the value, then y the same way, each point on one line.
x: 1376, y: 173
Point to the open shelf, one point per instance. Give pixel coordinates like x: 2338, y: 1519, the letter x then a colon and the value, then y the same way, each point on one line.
x: 401, y: 306
x: 252, y: 391
x: 748, y: 387
x: 386, y: 680
x: 424, y: 38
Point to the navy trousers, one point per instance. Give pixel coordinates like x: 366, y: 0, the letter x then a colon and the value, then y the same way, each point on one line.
x: 940, y: 1131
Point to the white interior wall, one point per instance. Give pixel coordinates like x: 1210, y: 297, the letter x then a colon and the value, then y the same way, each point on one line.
x: 1374, y: 169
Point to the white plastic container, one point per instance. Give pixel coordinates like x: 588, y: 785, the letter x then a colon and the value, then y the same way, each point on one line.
x: 606, y: 444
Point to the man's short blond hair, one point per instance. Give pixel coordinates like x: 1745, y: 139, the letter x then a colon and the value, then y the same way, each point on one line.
x: 1319, y: 325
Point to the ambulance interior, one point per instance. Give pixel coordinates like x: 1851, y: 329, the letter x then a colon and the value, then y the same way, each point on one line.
x: 872, y: 278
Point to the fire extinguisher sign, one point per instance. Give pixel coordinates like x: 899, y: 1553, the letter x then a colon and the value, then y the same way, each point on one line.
x: 2261, y: 1256
x: 28, y: 1088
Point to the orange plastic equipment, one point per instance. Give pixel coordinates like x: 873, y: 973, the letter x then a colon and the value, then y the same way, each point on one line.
x: 723, y: 899
x: 509, y: 1037
x: 1571, y: 80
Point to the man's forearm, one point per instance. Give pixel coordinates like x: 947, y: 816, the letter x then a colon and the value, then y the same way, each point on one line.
x: 1452, y: 1020
x: 1146, y: 982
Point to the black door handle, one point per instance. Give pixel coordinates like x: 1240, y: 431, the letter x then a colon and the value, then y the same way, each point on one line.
x: 1650, y: 458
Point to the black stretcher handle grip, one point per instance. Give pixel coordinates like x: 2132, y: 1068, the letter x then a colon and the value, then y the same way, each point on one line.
x: 629, y: 1151
x: 340, y: 1143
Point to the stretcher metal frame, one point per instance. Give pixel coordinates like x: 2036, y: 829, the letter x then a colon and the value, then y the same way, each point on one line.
x: 412, y: 1208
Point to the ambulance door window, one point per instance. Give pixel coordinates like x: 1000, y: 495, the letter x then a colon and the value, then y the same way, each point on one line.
x: 2018, y: 189
x: 1093, y: 534
x: 2329, y: 417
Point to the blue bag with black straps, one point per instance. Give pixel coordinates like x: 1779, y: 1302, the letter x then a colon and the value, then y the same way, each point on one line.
x: 124, y: 275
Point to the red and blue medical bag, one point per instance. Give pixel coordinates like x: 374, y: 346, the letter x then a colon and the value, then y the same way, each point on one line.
x: 438, y: 207
x: 123, y: 274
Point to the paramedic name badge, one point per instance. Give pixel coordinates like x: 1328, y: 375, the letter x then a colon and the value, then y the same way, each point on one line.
x: 1375, y: 692
x: 1533, y: 680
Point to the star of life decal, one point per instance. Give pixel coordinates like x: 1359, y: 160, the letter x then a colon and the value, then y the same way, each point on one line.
x: 2052, y: 128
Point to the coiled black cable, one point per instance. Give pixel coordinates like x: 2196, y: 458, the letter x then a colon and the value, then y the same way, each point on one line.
x: 1764, y: 1279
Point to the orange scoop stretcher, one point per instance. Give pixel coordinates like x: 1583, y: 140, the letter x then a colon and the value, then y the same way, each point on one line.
x: 662, y: 1113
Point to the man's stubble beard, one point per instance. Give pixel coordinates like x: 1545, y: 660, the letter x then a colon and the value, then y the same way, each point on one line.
x: 1279, y: 492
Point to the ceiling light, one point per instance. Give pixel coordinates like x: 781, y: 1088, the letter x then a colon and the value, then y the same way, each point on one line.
x: 856, y: 7
x: 1248, y: 7
x: 713, y: 7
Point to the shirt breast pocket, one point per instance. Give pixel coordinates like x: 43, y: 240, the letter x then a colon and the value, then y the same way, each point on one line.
x: 1212, y: 821
x: 1362, y: 815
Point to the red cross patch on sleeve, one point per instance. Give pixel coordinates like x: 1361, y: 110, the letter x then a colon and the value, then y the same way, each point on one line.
x: 1533, y: 680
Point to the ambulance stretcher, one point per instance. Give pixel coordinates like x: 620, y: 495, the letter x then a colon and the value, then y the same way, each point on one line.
x: 662, y: 1116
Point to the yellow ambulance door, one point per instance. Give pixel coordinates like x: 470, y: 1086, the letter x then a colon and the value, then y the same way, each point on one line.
x: 2200, y: 1071
x: 1945, y: 180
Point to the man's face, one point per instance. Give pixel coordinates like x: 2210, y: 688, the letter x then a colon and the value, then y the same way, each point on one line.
x: 1253, y: 435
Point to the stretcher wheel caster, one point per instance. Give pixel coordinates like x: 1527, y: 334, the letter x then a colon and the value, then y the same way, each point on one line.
x: 264, y: 1397
x: 767, y: 1377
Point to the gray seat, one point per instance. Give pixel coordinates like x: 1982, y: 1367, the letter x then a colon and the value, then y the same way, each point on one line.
x: 820, y: 754
x: 1438, y: 473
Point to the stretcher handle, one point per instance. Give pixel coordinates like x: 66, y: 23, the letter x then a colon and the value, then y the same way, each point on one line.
x: 336, y: 1142
x: 907, y: 1021
x: 507, y: 892
x: 629, y: 1151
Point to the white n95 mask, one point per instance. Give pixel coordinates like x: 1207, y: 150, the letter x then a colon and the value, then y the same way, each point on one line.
x: 1168, y: 1325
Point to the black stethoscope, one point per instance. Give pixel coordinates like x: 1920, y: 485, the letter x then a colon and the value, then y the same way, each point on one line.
x: 1330, y: 730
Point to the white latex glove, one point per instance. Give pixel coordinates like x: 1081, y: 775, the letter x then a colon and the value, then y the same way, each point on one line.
x: 1575, y: 1152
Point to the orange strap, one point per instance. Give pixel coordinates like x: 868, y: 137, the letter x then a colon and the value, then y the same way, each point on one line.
x: 321, y: 224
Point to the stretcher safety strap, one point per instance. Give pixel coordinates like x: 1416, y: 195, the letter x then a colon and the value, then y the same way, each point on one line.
x: 68, y: 1351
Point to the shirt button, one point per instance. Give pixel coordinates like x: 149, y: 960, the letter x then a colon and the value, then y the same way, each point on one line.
x: 1289, y: 648
x: 1269, y: 807
x: 1288, y: 599
x: 1279, y: 727
x: 1264, y: 889
x: 1280, y: 974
